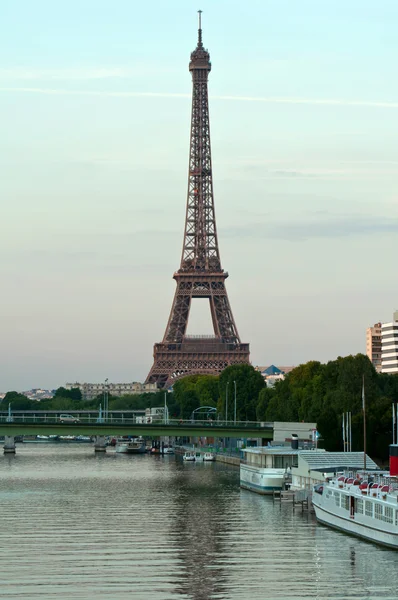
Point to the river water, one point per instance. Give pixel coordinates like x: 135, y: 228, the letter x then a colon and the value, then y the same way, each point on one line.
x: 80, y: 525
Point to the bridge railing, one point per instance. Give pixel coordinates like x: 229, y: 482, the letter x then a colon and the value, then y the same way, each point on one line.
x: 121, y: 420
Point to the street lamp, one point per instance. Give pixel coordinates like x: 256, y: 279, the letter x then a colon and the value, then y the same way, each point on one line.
x: 235, y: 404
x: 165, y: 412
x: 106, y: 399
x: 226, y: 403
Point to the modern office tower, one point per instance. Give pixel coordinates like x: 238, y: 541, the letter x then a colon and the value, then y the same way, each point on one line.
x: 389, y: 346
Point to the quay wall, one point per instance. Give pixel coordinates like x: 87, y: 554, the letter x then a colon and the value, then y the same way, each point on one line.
x: 229, y: 460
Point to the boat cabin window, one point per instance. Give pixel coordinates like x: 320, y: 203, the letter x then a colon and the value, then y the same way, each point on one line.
x: 388, y: 514
x: 368, y: 508
x: 379, y: 512
x: 345, y: 502
x: 359, y: 506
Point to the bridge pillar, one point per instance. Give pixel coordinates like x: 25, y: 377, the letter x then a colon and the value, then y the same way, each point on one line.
x: 100, y: 443
x: 9, y: 444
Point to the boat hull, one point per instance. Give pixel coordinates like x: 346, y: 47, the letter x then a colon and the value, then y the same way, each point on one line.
x: 347, y: 525
x: 126, y: 449
x: 262, y: 481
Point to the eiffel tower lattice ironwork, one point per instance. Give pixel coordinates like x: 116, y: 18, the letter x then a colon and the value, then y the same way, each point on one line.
x: 200, y: 274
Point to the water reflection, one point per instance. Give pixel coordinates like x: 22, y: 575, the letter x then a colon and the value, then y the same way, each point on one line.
x: 79, y: 525
x: 198, y: 530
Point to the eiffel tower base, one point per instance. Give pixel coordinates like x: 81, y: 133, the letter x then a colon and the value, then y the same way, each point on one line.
x: 194, y: 356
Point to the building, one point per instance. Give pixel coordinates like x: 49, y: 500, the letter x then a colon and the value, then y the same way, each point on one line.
x: 314, y: 467
x: 272, y: 374
x: 389, y: 346
x: 92, y: 390
x: 373, y: 345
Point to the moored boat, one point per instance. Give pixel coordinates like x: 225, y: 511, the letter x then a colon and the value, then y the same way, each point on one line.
x: 267, y: 469
x: 362, y: 504
x: 209, y: 457
x: 132, y: 446
x: 189, y: 456
x: 168, y: 449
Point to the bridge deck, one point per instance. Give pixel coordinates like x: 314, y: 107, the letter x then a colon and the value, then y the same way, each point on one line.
x: 41, y: 427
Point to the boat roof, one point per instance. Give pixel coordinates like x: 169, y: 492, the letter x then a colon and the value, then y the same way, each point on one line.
x: 319, y: 459
x: 335, y: 461
x: 279, y: 450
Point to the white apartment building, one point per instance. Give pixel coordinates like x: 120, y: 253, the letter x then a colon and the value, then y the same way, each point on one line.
x: 389, y: 346
x: 91, y: 390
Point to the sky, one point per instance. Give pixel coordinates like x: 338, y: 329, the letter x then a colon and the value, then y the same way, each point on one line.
x: 95, y: 106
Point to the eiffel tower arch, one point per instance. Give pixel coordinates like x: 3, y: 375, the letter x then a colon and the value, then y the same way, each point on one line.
x: 200, y: 274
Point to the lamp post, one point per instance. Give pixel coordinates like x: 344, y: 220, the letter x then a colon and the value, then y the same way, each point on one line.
x: 235, y: 403
x: 166, y: 416
x: 226, y: 403
x: 106, y: 399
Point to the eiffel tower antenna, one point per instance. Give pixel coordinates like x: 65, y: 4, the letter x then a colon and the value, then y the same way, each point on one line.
x: 200, y: 274
x: 200, y: 28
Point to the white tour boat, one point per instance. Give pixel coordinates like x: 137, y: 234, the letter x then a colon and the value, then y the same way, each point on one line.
x: 266, y: 469
x: 189, y: 456
x: 168, y: 449
x: 362, y: 504
x: 133, y: 446
x: 209, y: 457
x: 193, y: 455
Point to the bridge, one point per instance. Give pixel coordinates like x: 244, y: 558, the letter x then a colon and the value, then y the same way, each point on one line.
x: 123, y: 423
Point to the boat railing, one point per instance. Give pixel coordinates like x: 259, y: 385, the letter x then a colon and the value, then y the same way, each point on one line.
x: 366, y: 481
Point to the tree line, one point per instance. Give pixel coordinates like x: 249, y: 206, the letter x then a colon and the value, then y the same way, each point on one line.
x: 312, y: 392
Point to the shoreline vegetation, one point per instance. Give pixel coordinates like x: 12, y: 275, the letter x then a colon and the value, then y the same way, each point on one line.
x: 311, y: 392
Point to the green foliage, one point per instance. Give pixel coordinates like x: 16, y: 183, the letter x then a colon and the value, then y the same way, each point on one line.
x: 73, y: 394
x: 321, y: 393
x: 18, y: 401
x: 248, y: 383
x: 194, y: 391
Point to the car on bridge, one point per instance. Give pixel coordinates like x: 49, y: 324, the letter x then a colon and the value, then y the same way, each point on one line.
x: 68, y: 419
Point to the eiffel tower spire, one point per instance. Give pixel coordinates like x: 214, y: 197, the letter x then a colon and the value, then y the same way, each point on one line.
x: 200, y: 274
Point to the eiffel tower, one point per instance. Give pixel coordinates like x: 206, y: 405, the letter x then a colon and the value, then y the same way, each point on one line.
x: 200, y: 274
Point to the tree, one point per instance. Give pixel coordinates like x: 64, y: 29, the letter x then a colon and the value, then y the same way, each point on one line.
x: 19, y: 401
x: 207, y: 388
x: 73, y: 394
x: 322, y: 393
x: 248, y: 383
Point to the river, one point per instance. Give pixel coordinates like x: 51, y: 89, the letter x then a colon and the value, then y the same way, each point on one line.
x: 75, y: 524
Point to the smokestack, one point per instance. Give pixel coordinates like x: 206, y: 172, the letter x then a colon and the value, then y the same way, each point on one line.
x: 295, y: 441
x: 394, y: 460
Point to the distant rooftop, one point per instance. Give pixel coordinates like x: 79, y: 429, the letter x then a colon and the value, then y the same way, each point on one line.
x: 280, y: 369
x: 272, y: 370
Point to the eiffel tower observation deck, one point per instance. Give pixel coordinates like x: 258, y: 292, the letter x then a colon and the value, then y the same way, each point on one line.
x: 200, y: 274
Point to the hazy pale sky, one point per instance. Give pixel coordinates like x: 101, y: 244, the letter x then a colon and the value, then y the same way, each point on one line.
x: 95, y: 106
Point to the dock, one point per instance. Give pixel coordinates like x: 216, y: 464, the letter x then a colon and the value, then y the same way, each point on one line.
x: 295, y: 497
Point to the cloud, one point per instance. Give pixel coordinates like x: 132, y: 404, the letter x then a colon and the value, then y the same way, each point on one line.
x: 269, y: 100
x: 68, y: 74
x: 327, y: 226
x: 344, y: 170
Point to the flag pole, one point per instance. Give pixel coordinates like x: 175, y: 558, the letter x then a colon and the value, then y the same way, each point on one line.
x: 344, y: 432
x: 364, y: 422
